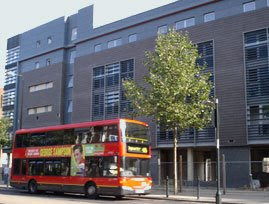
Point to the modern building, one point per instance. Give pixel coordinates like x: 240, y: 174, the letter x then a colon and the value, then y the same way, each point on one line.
x: 13, y: 52
x: 1, y: 102
x: 70, y: 72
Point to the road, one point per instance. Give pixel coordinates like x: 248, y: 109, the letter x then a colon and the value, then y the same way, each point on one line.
x: 22, y: 197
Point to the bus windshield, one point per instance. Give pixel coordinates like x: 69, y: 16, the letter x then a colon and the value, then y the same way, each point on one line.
x: 134, y: 167
x: 135, y: 133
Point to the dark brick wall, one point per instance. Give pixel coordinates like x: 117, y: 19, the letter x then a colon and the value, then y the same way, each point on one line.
x: 53, y: 96
x: 227, y: 34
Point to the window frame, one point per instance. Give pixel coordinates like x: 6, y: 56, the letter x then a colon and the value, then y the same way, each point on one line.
x: 37, y: 65
x: 114, y: 43
x: 74, y: 33
x: 130, y: 40
x: 38, y: 43
x: 48, y: 62
x: 49, y: 40
x: 161, y: 30
x: 210, y: 18
x: 184, y: 22
x: 73, y: 55
x: 251, y: 4
x: 98, y: 47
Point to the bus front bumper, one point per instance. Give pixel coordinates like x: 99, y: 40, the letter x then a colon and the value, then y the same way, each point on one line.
x: 123, y: 190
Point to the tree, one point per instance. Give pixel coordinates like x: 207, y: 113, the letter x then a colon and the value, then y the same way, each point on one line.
x: 176, y: 91
x: 4, y: 137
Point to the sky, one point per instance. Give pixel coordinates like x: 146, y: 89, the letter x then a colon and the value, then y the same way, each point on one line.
x: 17, y: 16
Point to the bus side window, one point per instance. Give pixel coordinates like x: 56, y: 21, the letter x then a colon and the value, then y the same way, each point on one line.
x: 23, y: 167
x: 19, y: 140
x: 98, y: 131
x: 37, y: 139
x: 68, y: 137
x: 65, y: 167
x: 55, y: 137
x: 26, y: 140
x: 112, y: 133
x: 16, y: 166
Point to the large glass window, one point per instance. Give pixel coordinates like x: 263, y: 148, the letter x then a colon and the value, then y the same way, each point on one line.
x: 265, y: 111
x: 37, y: 139
x: 112, y: 102
x: 36, y: 167
x: 254, y: 113
x: 12, y: 55
x: 8, y: 97
x: 134, y: 167
x: 11, y: 76
x: 53, y: 167
x: 108, y: 100
x: 55, y: 138
x: 97, y: 134
x: 112, y: 74
x: 135, y: 133
x: 101, y: 166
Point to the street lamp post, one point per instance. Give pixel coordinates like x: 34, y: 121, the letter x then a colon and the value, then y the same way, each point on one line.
x: 218, y: 193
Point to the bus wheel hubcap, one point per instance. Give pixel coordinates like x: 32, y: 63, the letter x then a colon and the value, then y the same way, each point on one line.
x: 91, y: 190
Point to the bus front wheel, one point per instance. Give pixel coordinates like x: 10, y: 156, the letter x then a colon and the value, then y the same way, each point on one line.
x: 91, y: 191
x: 32, y: 187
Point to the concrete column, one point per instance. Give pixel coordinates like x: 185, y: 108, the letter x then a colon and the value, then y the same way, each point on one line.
x: 200, y: 166
x: 190, y: 166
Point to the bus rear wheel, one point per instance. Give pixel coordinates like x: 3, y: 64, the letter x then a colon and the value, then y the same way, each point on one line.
x: 32, y: 187
x: 91, y: 191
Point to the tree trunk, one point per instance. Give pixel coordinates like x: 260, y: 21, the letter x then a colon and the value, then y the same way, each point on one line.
x: 175, y: 161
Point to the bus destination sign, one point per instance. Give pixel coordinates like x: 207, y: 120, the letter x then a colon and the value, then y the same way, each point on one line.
x: 138, y: 149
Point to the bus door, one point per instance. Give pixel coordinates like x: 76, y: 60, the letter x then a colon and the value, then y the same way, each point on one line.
x: 23, y: 170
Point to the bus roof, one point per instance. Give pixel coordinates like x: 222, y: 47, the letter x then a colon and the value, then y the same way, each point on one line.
x: 77, y: 125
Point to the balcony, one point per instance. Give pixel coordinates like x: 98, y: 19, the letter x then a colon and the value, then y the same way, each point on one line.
x: 190, y: 137
x: 258, y: 132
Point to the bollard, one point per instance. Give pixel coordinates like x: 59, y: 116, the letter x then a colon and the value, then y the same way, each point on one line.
x: 167, y: 187
x: 251, y: 182
x: 198, y: 188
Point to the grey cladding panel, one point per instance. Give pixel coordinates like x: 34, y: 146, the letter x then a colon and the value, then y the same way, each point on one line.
x: 54, y: 29
x: 13, y: 42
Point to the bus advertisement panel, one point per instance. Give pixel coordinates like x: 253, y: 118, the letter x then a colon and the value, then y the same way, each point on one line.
x: 95, y: 158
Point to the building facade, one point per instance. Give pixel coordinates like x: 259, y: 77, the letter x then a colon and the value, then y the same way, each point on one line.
x: 69, y: 72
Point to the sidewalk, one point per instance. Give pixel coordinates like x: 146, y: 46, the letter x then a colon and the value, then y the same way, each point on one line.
x: 233, y: 196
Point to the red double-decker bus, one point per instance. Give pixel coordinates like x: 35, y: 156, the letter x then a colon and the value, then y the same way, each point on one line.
x: 94, y: 158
